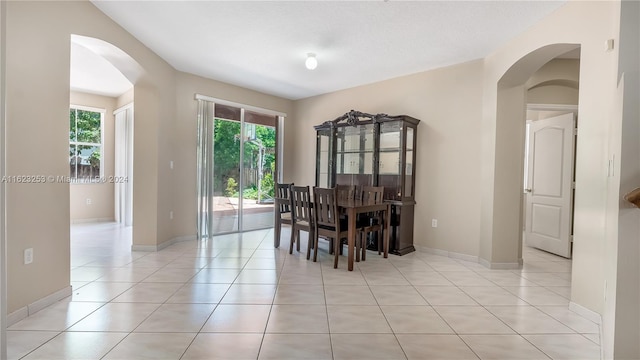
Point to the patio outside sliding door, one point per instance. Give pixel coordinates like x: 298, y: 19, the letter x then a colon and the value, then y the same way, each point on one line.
x: 236, y: 169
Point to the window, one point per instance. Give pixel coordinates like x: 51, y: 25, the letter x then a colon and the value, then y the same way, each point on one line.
x: 85, y: 144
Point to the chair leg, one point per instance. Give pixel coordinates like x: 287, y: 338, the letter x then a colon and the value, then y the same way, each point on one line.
x: 309, y: 245
x: 293, y: 239
x: 358, y: 244
x: 336, y: 255
x: 385, y: 247
x: 298, y: 239
x: 315, y: 248
x: 313, y: 238
x: 276, y: 234
x: 364, y: 248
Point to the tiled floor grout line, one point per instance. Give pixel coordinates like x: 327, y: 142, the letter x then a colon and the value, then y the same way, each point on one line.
x: 326, y: 308
x: 440, y: 315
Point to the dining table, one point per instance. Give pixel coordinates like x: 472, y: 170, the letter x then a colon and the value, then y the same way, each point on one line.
x: 353, y: 207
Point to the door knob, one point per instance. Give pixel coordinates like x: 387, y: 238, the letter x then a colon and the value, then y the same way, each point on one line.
x: 527, y: 190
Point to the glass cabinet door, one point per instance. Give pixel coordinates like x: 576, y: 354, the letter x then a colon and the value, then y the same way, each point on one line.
x: 409, y: 157
x: 389, y: 172
x: 324, y: 161
x: 354, y: 155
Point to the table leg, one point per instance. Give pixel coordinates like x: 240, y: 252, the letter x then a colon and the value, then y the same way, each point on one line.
x: 387, y: 230
x: 351, y: 240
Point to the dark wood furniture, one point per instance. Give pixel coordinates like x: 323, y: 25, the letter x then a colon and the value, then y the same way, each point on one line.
x: 371, y: 223
x: 354, y: 207
x: 345, y: 192
x: 303, y: 219
x: 633, y: 197
x: 282, y: 211
x: 328, y: 223
x: 361, y: 149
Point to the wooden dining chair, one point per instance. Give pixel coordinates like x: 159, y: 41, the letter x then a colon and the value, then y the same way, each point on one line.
x: 303, y: 219
x: 328, y: 223
x: 372, y: 222
x: 344, y: 192
x: 282, y: 210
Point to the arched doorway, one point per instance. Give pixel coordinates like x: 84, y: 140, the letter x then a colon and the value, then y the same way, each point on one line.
x: 503, y: 247
x: 101, y: 83
x: 551, y: 129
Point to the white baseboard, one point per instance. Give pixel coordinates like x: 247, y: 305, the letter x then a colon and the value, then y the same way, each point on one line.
x: 38, y: 305
x: 93, y: 220
x: 504, y: 266
x: 471, y: 258
x: 586, y: 313
x: 432, y: 250
x: 451, y: 254
x: 17, y: 315
x: 465, y: 257
x: 153, y: 248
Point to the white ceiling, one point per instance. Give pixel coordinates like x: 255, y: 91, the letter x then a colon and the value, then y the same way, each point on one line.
x: 263, y: 45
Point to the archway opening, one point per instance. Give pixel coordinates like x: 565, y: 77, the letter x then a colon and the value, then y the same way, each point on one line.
x: 512, y: 98
x: 102, y: 79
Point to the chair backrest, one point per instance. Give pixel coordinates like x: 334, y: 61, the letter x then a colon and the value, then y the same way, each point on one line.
x: 301, y: 202
x: 372, y: 194
x: 283, y: 191
x: 346, y: 192
x: 326, y: 207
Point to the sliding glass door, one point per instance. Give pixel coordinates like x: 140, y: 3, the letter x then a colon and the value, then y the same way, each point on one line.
x: 237, y: 168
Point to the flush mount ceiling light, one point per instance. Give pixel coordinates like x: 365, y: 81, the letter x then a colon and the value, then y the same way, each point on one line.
x: 311, y: 62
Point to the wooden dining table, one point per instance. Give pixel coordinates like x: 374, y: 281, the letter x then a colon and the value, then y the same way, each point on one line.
x: 353, y: 207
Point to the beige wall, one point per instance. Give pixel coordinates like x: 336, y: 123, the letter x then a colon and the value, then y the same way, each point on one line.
x: 36, y: 98
x: 124, y: 99
x: 555, y: 83
x: 553, y: 94
x: 101, y: 194
x: 622, y: 250
x: 3, y: 257
x: 448, y: 102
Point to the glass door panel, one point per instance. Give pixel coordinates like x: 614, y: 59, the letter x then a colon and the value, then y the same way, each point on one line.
x: 408, y: 173
x: 323, y: 165
x: 390, y: 159
x: 258, y: 171
x: 226, y: 174
x: 244, y: 169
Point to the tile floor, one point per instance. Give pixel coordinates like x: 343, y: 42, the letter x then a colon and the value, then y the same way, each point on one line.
x: 235, y: 297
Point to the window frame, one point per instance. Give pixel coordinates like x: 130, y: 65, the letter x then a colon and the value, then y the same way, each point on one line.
x: 102, y: 111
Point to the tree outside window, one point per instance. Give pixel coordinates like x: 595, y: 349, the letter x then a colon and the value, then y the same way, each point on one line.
x: 85, y: 145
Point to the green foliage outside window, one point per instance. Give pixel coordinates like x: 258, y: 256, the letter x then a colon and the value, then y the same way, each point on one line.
x: 226, y: 157
x: 85, y: 144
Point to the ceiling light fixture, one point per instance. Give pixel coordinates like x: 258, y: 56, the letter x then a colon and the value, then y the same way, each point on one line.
x: 311, y: 62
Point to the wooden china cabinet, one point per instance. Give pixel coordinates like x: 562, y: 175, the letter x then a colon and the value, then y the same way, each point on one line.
x: 373, y: 150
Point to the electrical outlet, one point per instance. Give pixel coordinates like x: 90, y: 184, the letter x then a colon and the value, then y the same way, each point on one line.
x: 171, y: 164
x: 28, y: 256
x: 434, y: 223
x: 170, y: 215
x: 88, y: 201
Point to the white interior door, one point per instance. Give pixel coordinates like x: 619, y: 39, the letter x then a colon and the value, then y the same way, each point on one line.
x: 549, y: 187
